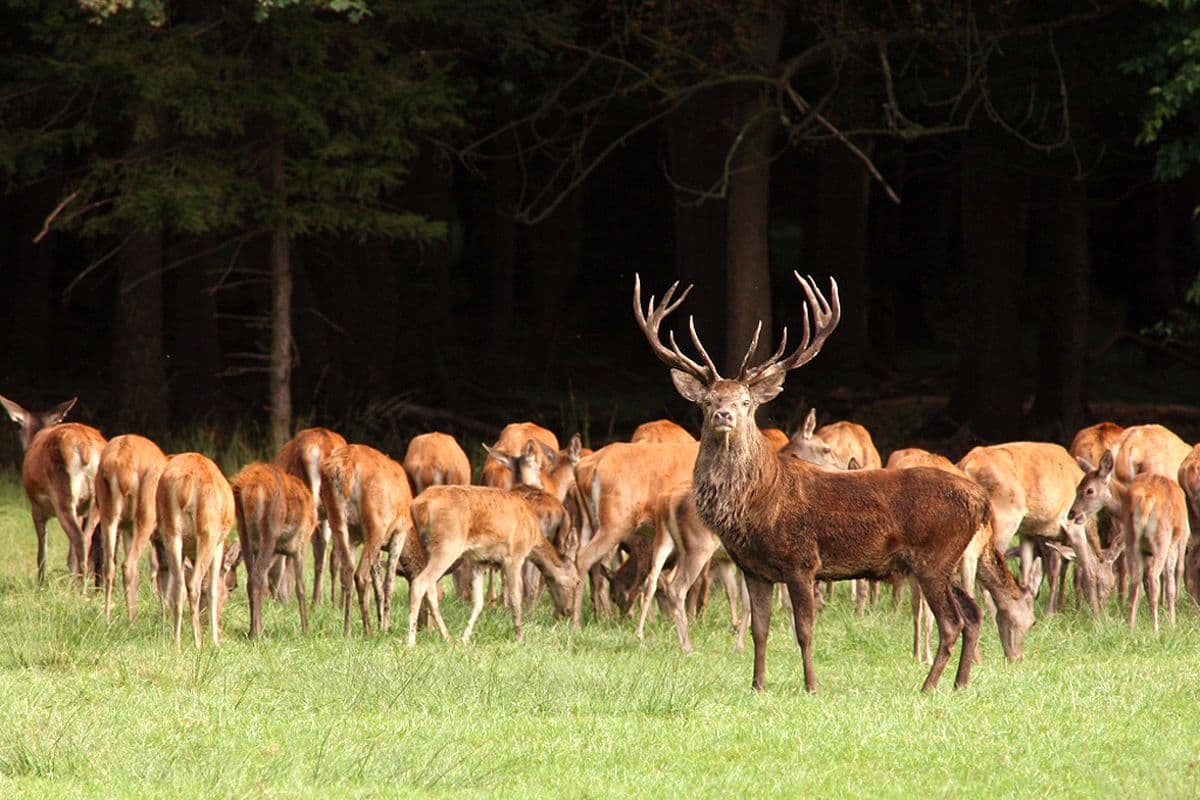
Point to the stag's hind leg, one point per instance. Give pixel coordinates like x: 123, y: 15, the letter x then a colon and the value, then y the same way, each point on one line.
x: 950, y: 624
x: 803, y: 614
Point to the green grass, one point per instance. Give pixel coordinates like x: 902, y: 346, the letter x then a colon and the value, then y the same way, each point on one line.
x: 93, y: 711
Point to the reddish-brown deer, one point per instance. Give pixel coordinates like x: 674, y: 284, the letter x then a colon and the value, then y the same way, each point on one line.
x: 512, y: 439
x: 436, y: 459
x: 367, y: 497
x: 660, y: 431
x: 276, y: 517
x: 484, y: 525
x: 59, y: 474
x: 126, y: 483
x: 301, y: 457
x: 195, y: 514
x: 786, y: 521
x: 1153, y: 514
x: 1189, y: 481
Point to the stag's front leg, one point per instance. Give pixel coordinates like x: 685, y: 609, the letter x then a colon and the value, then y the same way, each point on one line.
x: 803, y: 614
x: 760, y: 625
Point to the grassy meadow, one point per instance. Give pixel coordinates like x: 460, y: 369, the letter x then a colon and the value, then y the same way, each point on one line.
x: 93, y: 711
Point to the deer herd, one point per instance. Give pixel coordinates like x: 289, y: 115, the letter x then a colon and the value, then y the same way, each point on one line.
x: 751, y: 508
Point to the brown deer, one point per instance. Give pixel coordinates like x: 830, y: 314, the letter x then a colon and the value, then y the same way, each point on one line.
x: 1149, y: 448
x: 483, y: 525
x: 1153, y: 514
x: 126, y: 482
x: 776, y: 438
x: 1091, y: 442
x: 621, y: 484
x: 366, y: 496
x: 833, y: 445
x: 275, y: 517
x: 1189, y: 481
x: 1031, y: 486
x: 195, y: 513
x: 680, y: 531
x: 301, y: 457
x: 660, y: 431
x: 783, y: 520
x: 512, y: 439
x: 59, y: 474
x: 435, y: 459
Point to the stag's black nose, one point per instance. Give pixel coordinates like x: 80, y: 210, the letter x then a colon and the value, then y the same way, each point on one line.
x: 723, y: 417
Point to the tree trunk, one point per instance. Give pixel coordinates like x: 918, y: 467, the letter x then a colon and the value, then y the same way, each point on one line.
x: 1063, y: 323
x: 138, y: 372
x: 839, y: 244
x: 195, y: 355
x: 697, y: 144
x: 280, y: 363
x: 990, y: 383
x: 748, y: 281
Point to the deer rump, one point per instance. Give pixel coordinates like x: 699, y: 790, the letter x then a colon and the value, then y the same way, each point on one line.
x: 885, y: 523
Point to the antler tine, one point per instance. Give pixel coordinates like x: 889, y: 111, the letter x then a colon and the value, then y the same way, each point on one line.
x: 649, y: 320
x: 750, y: 350
x: 824, y: 317
x: 708, y: 362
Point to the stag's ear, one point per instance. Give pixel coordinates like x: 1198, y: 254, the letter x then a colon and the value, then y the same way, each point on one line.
x: 1084, y: 464
x: 1106, y: 464
x: 768, y: 387
x: 691, y: 388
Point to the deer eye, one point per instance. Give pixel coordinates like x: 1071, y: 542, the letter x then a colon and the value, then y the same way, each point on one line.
x: 1090, y: 490
x: 746, y: 403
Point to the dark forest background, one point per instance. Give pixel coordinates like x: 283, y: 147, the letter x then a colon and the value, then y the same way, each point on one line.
x: 388, y: 217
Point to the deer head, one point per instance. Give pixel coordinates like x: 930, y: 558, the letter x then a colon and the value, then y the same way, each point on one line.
x: 728, y: 405
x: 805, y: 446
x: 1095, y: 490
x: 33, y: 421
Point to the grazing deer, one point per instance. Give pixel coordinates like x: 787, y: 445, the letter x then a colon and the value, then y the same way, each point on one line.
x: 59, y: 474
x: 276, y: 517
x: 367, y: 497
x: 783, y: 520
x: 1153, y: 514
x: 833, y: 445
x: 660, y: 431
x: 530, y: 482
x: 680, y: 531
x: 485, y: 525
x: 195, y: 513
x: 1149, y: 448
x: 435, y: 459
x: 1091, y: 442
x: 621, y: 484
x: 1031, y: 485
x: 301, y: 457
x: 126, y: 483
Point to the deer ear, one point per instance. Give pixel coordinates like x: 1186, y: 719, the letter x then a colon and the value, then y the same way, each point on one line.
x: 810, y: 424
x: 56, y: 415
x: 1035, y: 577
x: 18, y: 414
x: 852, y: 463
x: 691, y: 388
x: 1110, y: 555
x: 1066, y: 552
x: 574, y: 448
x: 1106, y: 464
x: 768, y: 387
x: 549, y: 452
x: 1084, y: 464
x: 502, y: 457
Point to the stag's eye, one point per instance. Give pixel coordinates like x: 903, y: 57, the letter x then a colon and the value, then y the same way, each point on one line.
x: 746, y: 403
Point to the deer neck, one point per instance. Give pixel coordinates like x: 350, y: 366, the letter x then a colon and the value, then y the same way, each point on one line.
x: 731, y: 474
x: 546, y: 558
x: 1117, y: 498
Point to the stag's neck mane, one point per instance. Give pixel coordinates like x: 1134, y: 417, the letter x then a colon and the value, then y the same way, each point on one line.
x: 733, y: 475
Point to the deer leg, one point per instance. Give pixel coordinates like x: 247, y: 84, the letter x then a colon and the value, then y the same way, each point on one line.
x: 512, y: 581
x: 176, y: 591
x: 531, y: 580
x: 920, y: 615
x: 320, y: 543
x: 740, y: 642
x: 1136, y: 568
x: 691, y: 565
x: 663, y: 547
x: 341, y: 547
x: 761, y: 593
x: 729, y: 583
x: 1168, y: 581
x: 1053, y: 562
x: 39, y: 530
x: 389, y: 579
x: 298, y: 578
x: 108, y: 539
x: 476, y: 601
x: 969, y: 613
x: 195, y: 585
x: 258, y: 569
x: 129, y: 573
x: 76, y: 554
x: 1152, y: 572
x: 803, y: 614
x: 862, y: 593
x: 949, y: 621
x: 423, y: 586
x: 214, y: 598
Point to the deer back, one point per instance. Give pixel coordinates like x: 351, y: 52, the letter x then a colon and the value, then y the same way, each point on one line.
x: 436, y: 458
x: 661, y: 431
x: 1149, y: 448
x: 62, y: 461
x: 194, y: 500
x: 272, y: 502
x: 909, y: 457
x: 359, y: 482
x: 1037, y: 479
x: 1156, y: 511
x: 125, y: 463
x: 1091, y: 442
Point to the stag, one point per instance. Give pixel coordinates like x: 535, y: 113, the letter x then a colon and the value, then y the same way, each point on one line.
x: 785, y: 521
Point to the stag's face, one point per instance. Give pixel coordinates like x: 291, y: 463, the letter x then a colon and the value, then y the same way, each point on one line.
x: 728, y: 406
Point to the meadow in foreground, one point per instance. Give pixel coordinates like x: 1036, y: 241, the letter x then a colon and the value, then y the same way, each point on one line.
x: 89, y: 710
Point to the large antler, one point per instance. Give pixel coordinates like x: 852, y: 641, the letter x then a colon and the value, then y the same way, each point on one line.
x: 672, y: 356
x: 825, y: 316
